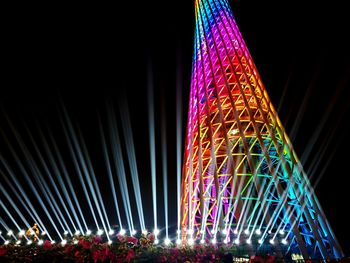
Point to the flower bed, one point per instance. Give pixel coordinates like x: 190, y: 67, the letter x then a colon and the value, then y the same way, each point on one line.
x: 123, y: 249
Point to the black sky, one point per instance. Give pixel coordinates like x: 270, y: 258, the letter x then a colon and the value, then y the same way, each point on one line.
x: 87, y: 54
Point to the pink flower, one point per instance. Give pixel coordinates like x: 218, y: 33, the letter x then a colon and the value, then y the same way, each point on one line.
x: 130, y: 255
x: 47, y: 245
x: 132, y: 240
x: 3, y: 251
x: 84, y: 244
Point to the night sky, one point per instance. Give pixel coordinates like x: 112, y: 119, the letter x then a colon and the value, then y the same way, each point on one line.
x: 83, y: 56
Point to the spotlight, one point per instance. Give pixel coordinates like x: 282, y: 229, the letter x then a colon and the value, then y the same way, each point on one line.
x: 99, y: 232
x: 40, y: 242
x: 21, y: 233
x: 202, y: 231
x: 190, y: 242
x: 43, y: 233
x: 7, y: 242
x: 272, y: 241
x: 260, y: 241
x: 18, y: 242
x: 284, y: 242
x: 10, y: 233
x: 77, y: 233
x: 156, y: 231
x: 225, y: 241
x: 64, y: 242
x: 133, y: 232
x: 178, y: 241
x: 0, y: 232
x: 167, y: 241
x: 281, y: 232
x: 88, y: 232
x: 53, y: 242
x: 224, y: 232
x: 178, y: 231
x: 212, y: 231
x: 109, y: 242
x: 122, y: 232
x: 270, y: 232
x: 237, y: 241
x: 29, y: 242
x: 246, y: 231
x: 144, y: 232
x: 75, y: 242
x: 202, y: 241
x: 111, y: 232
x: 249, y: 241
x: 190, y: 231
x: 235, y: 232
x: 32, y: 232
x: 156, y: 241
x: 65, y: 232
x: 258, y: 232
x: 213, y: 241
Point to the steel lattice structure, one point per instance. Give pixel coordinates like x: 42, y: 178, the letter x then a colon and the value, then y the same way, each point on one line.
x: 242, y: 180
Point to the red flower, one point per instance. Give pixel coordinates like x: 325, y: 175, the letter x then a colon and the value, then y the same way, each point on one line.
x: 68, y: 249
x: 97, y: 239
x: 151, y: 237
x: 84, y: 244
x: 47, y: 245
x: 121, y: 238
x: 3, y: 251
x: 130, y: 255
x: 132, y: 240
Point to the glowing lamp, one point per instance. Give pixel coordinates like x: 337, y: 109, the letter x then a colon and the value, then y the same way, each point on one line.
x: 224, y: 232
x: 258, y: 232
x: 18, y: 242
x: 167, y: 241
x: 178, y: 241
x: 284, y: 242
x: 281, y: 232
x: 64, y: 242
x: 21, y: 233
x: 122, y: 232
x: 156, y: 231
x: 29, y: 242
x: 237, y: 241
x: 202, y: 241
x: 109, y: 242
x: 40, y: 242
x: 65, y: 232
x: 111, y: 232
x: 133, y: 232
x: 7, y: 242
x: 88, y: 232
x: 272, y: 241
x: 10, y: 233
x: 235, y: 232
x: 156, y: 241
x: 75, y: 242
x: 77, y: 233
x: 246, y: 232
x: 144, y: 232
x: 249, y: 241
x: 213, y: 241
x: 190, y: 242
x: 260, y: 241
x: 99, y: 232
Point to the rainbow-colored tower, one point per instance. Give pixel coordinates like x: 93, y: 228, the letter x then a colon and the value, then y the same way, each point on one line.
x: 242, y: 181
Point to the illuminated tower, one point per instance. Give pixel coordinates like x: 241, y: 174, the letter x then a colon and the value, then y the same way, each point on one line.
x: 242, y: 181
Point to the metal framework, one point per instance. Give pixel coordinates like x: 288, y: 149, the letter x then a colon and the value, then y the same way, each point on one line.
x: 242, y: 181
